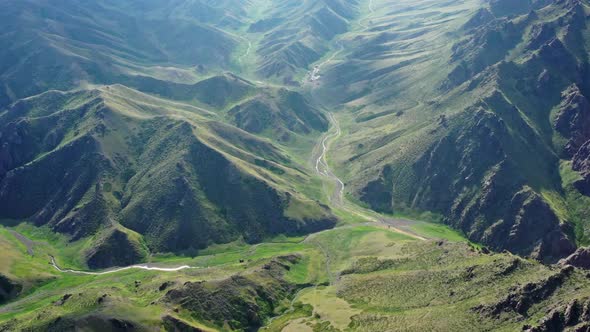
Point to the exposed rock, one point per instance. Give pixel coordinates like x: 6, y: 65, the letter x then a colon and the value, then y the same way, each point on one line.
x: 481, y: 49
x: 581, y: 164
x: 102, y: 298
x: 243, y: 300
x: 571, y: 317
x: 572, y: 313
x: 540, y: 34
x: 378, y: 193
x: 520, y: 300
x: 165, y: 285
x: 573, y: 119
x: 535, y: 224
x: 63, y: 299
x: 552, y: 322
x: 579, y: 259
x: 475, y: 155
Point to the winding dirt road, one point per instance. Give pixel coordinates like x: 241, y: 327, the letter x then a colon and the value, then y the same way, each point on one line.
x: 402, y: 226
x: 29, y: 244
x: 138, y: 266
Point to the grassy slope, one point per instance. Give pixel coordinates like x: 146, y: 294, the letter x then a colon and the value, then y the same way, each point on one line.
x: 396, y: 110
x: 128, y: 128
x: 45, y: 285
x: 422, y: 285
x: 423, y: 275
x: 381, y: 281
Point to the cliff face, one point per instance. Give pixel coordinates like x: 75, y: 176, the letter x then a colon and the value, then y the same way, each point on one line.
x: 579, y: 259
x: 572, y: 120
x: 581, y: 164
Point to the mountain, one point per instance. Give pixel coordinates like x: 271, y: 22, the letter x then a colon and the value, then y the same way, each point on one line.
x: 46, y: 45
x: 99, y: 162
x: 295, y: 34
x: 282, y: 165
x: 482, y: 144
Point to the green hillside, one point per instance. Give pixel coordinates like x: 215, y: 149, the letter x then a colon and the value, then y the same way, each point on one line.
x: 295, y: 165
x: 199, y: 181
x: 475, y: 130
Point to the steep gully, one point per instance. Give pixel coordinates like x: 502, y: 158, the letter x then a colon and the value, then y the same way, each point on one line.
x: 337, y: 197
x: 323, y: 169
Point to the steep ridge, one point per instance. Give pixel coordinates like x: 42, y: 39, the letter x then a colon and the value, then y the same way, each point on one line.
x: 296, y: 34
x: 135, y: 168
x: 470, y: 113
x: 494, y: 126
x: 274, y: 112
x: 60, y: 46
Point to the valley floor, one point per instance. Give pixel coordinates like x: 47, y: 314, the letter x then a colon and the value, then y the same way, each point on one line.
x: 54, y: 289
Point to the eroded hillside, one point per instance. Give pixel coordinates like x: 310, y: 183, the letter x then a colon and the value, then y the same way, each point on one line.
x: 473, y: 113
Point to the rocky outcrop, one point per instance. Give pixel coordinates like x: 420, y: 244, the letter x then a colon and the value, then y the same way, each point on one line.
x: 470, y: 177
x: 483, y: 171
x: 530, y: 227
x: 243, y: 301
x: 482, y: 48
x: 379, y: 192
x: 579, y: 259
x: 539, y: 35
x: 574, y: 316
x: 572, y: 120
x: 581, y: 164
x: 522, y: 298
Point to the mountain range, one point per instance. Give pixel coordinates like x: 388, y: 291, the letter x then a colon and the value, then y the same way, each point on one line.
x: 309, y: 165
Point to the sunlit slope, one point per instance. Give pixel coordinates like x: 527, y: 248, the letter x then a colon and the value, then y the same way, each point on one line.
x: 295, y: 34
x: 452, y: 108
x: 89, y: 161
x: 48, y: 45
x: 348, y: 279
